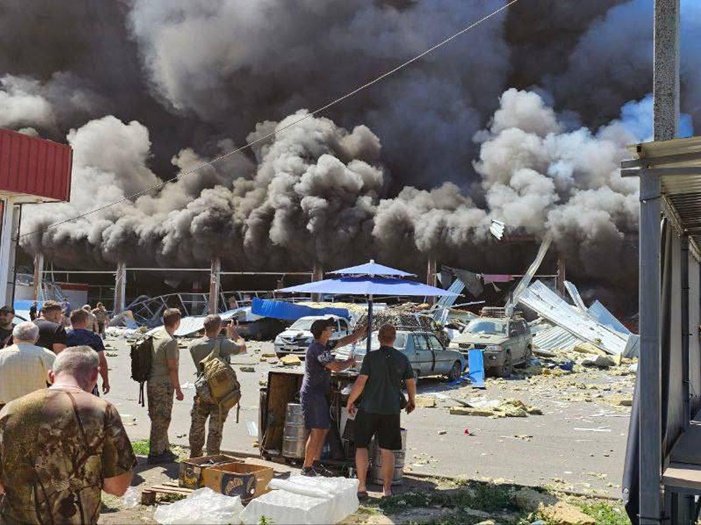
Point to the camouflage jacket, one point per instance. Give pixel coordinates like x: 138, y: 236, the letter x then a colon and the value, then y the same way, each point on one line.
x: 56, y: 448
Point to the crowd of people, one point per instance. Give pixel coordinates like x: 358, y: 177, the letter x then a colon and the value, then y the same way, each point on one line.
x: 61, y: 444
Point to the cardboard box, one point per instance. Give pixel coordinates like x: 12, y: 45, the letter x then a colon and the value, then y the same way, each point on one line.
x: 191, y: 470
x: 239, y: 479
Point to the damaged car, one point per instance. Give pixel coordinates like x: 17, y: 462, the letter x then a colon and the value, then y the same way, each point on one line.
x: 297, y: 338
x: 506, y: 342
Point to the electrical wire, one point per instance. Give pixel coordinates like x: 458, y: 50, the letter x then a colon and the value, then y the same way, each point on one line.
x: 277, y: 131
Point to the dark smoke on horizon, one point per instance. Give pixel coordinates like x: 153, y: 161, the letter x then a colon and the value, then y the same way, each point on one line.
x: 524, y: 120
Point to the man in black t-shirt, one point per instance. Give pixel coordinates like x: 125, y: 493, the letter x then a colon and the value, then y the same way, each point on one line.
x: 52, y: 335
x: 7, y: 314
x: 379, y: 380
x: 81, y: 335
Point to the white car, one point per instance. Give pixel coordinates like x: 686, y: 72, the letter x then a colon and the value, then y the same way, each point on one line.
x: 297, y: 338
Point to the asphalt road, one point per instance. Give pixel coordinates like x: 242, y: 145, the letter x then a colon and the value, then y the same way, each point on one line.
x: 577, y: 444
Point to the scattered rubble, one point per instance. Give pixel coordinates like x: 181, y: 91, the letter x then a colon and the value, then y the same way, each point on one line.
x: 506, y: 408
x: 562, y: 513
x: 291, y: 360
x: 425, y: 401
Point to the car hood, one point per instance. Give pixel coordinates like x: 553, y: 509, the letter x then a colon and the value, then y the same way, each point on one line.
x: 295, y: 334
x: 481, y: 339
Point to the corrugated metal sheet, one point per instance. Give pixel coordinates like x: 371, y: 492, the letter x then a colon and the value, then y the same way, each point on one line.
x: 601, y: 314
x: 555, y: 338
x: 550, y: 306
x: 34, y: 167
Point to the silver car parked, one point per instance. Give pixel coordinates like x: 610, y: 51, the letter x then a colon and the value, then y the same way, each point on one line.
x: 427, y: 355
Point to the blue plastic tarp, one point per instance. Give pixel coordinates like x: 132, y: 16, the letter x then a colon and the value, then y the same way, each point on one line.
x: 475, y: 363
x: 292, y: 311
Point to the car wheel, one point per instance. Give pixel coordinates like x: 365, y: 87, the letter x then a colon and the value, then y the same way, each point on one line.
x: 526, y: 358
x: 455, y: 372
x: 508, y: 367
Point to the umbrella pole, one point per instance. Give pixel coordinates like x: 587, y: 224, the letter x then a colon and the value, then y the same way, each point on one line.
x: 367, y: 351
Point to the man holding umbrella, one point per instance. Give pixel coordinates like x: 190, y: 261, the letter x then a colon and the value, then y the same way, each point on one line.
x: 318, y: 365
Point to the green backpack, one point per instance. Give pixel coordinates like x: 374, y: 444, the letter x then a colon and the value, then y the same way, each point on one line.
x: 218, y: 384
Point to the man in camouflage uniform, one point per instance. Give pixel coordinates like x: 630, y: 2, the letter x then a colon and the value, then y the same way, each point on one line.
x: 162, y: 383
x: 232, y: 344
x: 60, y: 447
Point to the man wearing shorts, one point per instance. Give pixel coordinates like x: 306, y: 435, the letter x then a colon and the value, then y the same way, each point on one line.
x: 318, y: 365
x: 380, y: 380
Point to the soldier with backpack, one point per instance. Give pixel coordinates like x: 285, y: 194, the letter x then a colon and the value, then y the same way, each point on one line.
x: 163, y: 382
x: 212, y: 346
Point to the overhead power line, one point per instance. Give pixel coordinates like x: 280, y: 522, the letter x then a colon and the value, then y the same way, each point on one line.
x: 286, y: 126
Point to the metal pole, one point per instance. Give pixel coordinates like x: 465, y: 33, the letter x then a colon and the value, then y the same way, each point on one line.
x: 120, y: 288
x: 317, y: 275
x: 561, y: 274
x: 650, y: 358
x: 5, y: 247
x: 369, y: 343
x: 14, y: 254
x: 665, y: 121
x: 431, y: 278
x: 39, y: 277
x: 685, y: 327
x: 214, y: 286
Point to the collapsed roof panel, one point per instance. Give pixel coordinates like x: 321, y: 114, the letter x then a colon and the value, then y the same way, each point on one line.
x: 552, y: 307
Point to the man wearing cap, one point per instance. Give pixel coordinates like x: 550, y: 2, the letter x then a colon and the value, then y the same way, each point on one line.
x: 7, y: 314
x: 318, y: 365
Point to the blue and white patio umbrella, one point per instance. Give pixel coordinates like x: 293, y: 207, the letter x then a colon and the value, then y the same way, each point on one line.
x: 369, y: 280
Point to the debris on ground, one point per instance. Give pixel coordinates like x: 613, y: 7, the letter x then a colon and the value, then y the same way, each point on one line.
x: 562, y: 513
x: 291, y: 360
x: 506, y: 408
x: 425, y: 401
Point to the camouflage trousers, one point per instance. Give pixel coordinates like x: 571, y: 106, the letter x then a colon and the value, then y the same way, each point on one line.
x: 200, y: 412
x: 160, y: 408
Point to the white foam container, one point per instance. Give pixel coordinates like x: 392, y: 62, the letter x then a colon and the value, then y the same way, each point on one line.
x: 305, y: 500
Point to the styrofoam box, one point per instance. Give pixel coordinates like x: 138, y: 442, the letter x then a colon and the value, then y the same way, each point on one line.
x: 305, y: 500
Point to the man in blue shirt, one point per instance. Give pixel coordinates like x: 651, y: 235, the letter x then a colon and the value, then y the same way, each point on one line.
x: 81, y: 335
x: 318, y: 365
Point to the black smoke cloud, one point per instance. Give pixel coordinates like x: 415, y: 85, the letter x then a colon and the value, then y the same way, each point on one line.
x: 419, y: 163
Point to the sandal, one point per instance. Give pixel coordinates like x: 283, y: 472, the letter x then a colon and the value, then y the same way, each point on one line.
x: 362, y: 495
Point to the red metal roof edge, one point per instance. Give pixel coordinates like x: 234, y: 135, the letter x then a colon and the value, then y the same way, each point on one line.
x: 35, y: 166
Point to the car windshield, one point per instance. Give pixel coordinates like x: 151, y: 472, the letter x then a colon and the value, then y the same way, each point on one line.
x: 302, y: 324
x: 361, y: 346
x: 484, y: 326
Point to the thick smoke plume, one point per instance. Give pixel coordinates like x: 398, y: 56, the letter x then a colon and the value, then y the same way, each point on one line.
x: 523, y: 120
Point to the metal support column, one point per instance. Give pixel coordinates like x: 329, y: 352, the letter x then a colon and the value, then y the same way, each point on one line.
x: 650, y: 358
x: 665, y: 122
x: 317, y: 275
x: 561, y: 273
x: 214, y: 280
x: 431, y: 278
x: 686, y: 378
x: 6, y: 264
x: 120, y: 288
x: 38, y: 291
